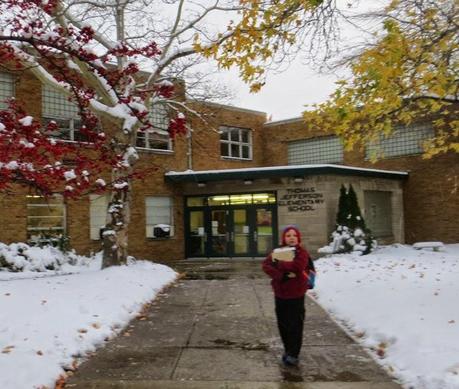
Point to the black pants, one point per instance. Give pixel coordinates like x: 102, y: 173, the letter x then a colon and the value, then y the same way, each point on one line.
x: 290, y: 320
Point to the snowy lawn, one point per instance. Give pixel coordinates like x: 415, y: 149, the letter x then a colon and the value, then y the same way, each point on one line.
x: 47, y: 319
x: 401, y: 303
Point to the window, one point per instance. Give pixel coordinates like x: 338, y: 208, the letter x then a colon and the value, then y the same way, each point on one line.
x: 378, y: 212
x: 153, y: 140
x: 403, y: 141
x: 236, y: 142
x: 45, y: 218
x: 57, y: 108
x: 315, y: 150
x: 97, y: 214
x: 156, y: 138
x: 6, y: 89
x: 159, y: 217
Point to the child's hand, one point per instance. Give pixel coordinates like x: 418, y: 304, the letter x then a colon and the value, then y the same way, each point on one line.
x: 291, y: 275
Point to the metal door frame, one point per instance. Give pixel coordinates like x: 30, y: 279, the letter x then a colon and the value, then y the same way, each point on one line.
x: 251, y: 220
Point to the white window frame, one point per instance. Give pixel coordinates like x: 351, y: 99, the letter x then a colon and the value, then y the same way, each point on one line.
x: 159, y: 118
x: 319, y: 150
x: 56, y: 202
x: 226, y: 133
x: 159, y: 214
x: 149, y: 136
x: 57, y: 108
x: 6, y: 88
x: 65, y: 126
x: 98, y: 205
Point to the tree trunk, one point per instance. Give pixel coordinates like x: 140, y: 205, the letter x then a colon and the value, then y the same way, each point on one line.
x: 115, y: 235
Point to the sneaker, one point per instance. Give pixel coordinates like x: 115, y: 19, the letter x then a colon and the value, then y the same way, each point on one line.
x: 287, y: 360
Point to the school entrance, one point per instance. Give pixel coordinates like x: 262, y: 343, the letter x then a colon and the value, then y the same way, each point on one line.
x: 236, y: 225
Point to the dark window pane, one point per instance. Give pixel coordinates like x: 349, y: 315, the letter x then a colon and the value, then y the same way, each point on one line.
x: 235, y: 151
x: 245, y: 136
x: 245, y: 152
x: 140, y: 139
x: 224, y: 134
x: 235, y: 135
x: 224, y: 149
x: 158, y: 144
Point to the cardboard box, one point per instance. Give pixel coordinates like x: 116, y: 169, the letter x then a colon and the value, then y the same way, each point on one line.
x: 284, y: 254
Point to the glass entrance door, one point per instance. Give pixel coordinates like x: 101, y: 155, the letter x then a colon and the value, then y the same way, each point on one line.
x: 241, y: 233
x: 197, y: 236
x: 263, y: 236
x: 239, y: 230
x: 219, y: 234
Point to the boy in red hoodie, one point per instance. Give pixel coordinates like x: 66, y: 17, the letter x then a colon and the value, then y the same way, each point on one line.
x: 289, y: 282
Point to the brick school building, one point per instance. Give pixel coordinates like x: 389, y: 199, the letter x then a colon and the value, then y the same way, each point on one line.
x: 229, y: 189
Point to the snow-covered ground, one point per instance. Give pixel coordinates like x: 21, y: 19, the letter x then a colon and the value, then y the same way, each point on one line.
x: 49, y: 318
x: 401, y: 303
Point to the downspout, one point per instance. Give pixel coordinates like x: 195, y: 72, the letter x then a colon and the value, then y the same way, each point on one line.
x: 189, y: 152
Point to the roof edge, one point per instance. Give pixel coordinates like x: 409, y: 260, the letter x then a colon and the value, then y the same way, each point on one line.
x: 283, y: 121
x: 279, y: 171
x: 230, y: 107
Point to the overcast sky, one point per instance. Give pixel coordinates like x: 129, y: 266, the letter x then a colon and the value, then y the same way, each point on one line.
x: 285, y: 95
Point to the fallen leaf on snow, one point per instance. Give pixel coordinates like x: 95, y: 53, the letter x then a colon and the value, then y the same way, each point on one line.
x: 7, y: 349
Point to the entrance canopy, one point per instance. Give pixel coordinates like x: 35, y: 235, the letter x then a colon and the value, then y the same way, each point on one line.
x: 295, y: 171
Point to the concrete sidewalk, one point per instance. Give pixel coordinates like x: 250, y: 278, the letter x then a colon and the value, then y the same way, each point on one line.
x: 216, y: 329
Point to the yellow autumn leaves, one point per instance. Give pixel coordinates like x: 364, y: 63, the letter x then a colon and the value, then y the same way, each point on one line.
x: 264, y: 27
x: 410, y: 75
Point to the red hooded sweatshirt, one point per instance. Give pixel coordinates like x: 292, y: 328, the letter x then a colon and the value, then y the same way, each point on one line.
x: 283, y: 286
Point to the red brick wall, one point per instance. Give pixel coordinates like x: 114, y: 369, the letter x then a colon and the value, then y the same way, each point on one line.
x: 431, y: 193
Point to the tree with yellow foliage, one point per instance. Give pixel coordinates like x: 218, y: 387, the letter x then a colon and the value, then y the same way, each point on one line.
x: 267, y: 33
x: 410, y: 75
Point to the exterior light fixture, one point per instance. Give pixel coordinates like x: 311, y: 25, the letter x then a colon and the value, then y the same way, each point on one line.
x: 298, y: 180
x: 248, y: 182
x: 201, y: 184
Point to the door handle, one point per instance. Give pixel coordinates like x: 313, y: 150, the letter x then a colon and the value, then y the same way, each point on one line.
x: 255, y: 236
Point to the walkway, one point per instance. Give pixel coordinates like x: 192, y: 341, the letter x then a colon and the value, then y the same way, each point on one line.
x: 216, y: 329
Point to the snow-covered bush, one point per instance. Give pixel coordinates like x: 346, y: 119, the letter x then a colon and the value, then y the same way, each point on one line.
x: 346, y: 240
x: 351, y: 233
x: 18, y: 257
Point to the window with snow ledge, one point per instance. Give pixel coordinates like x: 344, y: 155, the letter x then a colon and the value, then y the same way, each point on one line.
x: 325, y: 149
x: 45, y: 219
x: 156, y: 138
x: 6, y: 89
x: 159, y: 217
x: 403, y: 141
x: 236, y: 142
x: 57, y: 108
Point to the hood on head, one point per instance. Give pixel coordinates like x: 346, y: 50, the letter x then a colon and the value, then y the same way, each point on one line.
x: 287, y: 229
